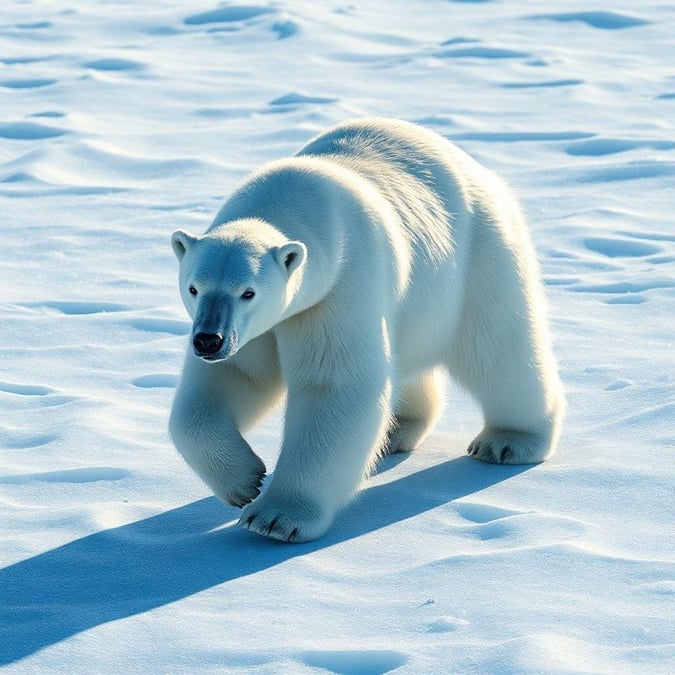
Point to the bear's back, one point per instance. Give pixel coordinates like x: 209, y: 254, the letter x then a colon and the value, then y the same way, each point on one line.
x: 427, y: 180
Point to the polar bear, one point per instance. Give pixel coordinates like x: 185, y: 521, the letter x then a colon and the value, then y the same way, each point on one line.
x: 349, y: 276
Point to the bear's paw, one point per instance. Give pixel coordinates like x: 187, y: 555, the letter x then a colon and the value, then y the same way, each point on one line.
x: 246, y: 489
x: 285, y: 518
x: 509, y: 447
x: 405, y: 436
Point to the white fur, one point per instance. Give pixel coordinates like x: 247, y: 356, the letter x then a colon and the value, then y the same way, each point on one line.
x: 378, y: 255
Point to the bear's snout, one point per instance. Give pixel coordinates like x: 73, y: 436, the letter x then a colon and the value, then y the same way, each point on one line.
x: 207, y: 344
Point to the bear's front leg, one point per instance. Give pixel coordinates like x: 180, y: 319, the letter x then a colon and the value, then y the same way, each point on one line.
x: 332, y: 437
x: 212, y: 404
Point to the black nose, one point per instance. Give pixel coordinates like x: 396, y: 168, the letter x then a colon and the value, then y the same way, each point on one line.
x: 207, y: 343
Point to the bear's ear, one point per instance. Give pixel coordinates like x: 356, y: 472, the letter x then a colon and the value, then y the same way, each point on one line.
x: 181, y: 242
x: 290, y: 256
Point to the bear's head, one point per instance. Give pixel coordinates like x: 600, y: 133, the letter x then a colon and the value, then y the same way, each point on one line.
x: 236, y: 284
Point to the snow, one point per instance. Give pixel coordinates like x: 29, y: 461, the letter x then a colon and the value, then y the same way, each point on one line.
x: 121, y: 121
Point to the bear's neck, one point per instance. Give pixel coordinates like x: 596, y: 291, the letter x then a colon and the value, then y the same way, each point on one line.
x: 311, y: 284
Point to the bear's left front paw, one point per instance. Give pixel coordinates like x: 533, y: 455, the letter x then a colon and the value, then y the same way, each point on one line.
x: 293, y: 520
x: 508, y: 447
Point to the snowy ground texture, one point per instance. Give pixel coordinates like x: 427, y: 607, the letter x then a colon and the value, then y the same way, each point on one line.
x: 122, y: 120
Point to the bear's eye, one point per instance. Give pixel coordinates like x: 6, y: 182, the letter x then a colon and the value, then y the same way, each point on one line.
x: 193, y: 290
x: 248, y: 294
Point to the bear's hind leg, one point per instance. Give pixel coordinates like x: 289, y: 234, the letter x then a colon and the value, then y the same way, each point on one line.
x: 509, y: 446
x: 520, y: 394
x: 416, y: 411
x: 514, y: 433
x: 502, y: 355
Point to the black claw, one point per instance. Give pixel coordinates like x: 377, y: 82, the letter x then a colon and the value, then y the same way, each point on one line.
x: 240, y: 501
x: 505, y: 453
x: 249, y: 520
x: 271, y: 526
x: 293, y: 534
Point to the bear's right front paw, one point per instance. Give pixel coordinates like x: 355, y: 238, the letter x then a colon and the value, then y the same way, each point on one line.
x: 245, y: 494
x: 243, y: 487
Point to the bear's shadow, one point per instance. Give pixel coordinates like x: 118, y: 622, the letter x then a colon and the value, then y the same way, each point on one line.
x: 123, y: 571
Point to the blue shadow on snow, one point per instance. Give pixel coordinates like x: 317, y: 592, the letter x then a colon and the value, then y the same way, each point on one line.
x: 134, y: 568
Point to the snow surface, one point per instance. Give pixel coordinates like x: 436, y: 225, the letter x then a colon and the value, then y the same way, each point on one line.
x: 121, y: 121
